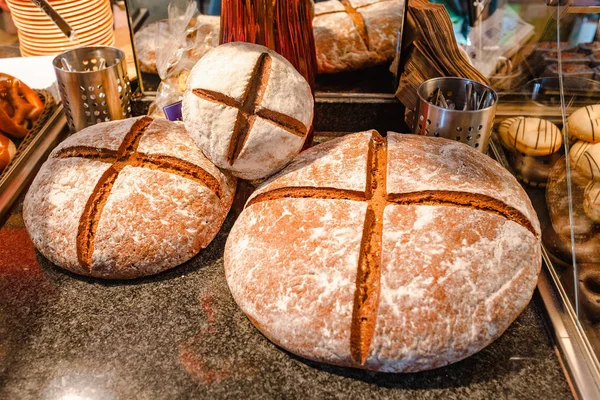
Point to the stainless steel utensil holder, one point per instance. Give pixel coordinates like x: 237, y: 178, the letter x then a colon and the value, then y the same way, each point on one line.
x: 472, y: 127
x: 93, y: 85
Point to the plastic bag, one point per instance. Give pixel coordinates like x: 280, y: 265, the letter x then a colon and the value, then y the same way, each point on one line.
x: 181, y: 42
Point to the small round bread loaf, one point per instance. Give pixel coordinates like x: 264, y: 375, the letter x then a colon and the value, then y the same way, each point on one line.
x: 532, y: 171
x: 559, y: 248
x: 530, y: 136
x: 396, y: 255
x: 587, y: 159
x: 584, y: 123
x: 576, y: 153
x: 557, y: 199
x: 125, y: 199
x: 356, y: 34
x: 589, y: 284
x: 248, y: 109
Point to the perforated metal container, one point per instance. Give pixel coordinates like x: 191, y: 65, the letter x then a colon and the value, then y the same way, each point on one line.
x: 472, y: 127
x: 93, y: 85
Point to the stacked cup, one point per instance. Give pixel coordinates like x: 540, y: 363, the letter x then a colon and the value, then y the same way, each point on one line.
x: 92, y: 22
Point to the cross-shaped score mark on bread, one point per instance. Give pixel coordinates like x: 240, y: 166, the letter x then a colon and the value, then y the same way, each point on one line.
x: 366, y: 297
x: 249, y: 108
x: 126, y: 155
x: 358, y: 20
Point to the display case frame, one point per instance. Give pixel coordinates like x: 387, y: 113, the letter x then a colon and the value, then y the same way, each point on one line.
x: 559, y: 286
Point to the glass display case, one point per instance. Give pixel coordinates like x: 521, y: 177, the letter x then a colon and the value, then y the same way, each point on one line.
x: 542, y: 60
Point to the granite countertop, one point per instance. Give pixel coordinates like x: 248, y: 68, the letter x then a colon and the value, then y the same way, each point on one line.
x: 180, y: 335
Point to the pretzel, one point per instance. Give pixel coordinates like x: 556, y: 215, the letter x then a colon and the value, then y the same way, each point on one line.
x: 20, y: 106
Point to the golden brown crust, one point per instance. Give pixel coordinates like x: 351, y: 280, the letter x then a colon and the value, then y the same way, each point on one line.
x: 469, y: 200
x: 530, y: 136
x: 584, y: 123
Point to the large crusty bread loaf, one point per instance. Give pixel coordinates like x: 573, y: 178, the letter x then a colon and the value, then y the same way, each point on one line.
x: 248, y: 109
x: 356, y: 34
x: 398, y: 254
x: 125, y: 199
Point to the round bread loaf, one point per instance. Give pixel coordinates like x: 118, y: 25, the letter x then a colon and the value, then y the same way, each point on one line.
x: 559, y: 248
x: 125, y: 199
x: 587, y: 159
x: 532, y: 171
x: 557, y: 199
x: 248, y: 109
x: 399, y: 254
x: 589, y: 284
x: 530, y: 136
x: 576, y: 153
x: 356, y: 34
x: 584, y: 123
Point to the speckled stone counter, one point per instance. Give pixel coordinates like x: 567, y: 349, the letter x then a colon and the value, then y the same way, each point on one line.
x: 179, y: 335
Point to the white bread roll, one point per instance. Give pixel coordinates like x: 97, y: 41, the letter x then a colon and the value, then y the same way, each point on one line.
x: 248, y: 109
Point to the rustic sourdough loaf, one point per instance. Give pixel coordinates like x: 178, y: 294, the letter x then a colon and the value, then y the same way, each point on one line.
x: 248, y: 109
x: 398, y: 254
x: 356, y: 34
x: 125, y: 199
